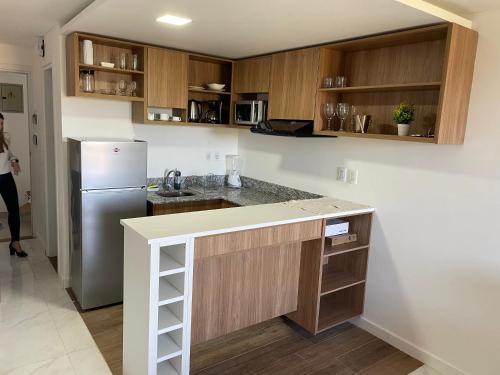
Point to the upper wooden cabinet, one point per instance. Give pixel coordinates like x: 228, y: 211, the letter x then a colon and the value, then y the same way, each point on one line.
x: 252, y: 75
x: 293, y: 84
x: 167, y: 78
x: 430, y: 67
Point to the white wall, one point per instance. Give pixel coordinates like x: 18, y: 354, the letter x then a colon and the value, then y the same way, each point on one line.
x: 17, y: 126
x: 434, y: 269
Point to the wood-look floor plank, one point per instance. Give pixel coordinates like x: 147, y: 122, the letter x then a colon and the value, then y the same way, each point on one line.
x: 277, y: 347
x: 367, y: 355
x: 395, y: 364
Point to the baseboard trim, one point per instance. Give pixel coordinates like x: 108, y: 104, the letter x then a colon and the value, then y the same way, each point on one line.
x: 407, y: 347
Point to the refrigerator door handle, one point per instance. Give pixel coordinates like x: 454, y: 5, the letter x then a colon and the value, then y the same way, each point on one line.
x: 85, y: 191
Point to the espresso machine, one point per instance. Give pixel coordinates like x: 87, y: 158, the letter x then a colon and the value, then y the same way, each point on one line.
x: 213, y: 112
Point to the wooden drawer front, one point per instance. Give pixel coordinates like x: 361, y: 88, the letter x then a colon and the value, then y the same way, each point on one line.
x: 238, y: 290
x: 256, y: 238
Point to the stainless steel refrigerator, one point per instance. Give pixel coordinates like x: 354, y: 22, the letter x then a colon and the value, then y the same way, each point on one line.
x: 107, y: 183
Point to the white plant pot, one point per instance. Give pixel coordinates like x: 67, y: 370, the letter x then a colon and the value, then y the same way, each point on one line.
x: 403, y: 129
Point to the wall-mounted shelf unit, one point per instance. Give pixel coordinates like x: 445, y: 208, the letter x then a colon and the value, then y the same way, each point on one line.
x: 429, y: 67
x: 106, y: 79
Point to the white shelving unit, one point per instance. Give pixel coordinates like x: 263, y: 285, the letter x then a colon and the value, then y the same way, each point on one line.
x: 158, y: 276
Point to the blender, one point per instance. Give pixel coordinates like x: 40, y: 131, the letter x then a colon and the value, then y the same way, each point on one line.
x: 233, y: 167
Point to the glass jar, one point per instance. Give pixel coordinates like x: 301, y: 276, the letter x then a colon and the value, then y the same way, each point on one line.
x: 88, y: 80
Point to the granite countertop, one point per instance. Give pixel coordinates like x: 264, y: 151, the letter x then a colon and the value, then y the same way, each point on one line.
x: 253, y: 192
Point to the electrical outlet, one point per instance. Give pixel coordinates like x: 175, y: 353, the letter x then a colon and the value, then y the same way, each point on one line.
x: 208, y: 155
x: 352, y: 176
x: 216, y: 155
x: 342, y: 174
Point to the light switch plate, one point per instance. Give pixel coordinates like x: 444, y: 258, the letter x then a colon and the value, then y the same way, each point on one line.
x: 352, y: 176
x: 342, y: 174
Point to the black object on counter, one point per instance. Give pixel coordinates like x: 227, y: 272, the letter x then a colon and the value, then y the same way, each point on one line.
x: 177, y: 180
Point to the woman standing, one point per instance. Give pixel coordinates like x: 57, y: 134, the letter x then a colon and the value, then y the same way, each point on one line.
x: 8, y: 190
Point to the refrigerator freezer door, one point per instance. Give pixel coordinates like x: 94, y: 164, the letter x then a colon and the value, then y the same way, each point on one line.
x: 113, y: 164
x: 102, y: 242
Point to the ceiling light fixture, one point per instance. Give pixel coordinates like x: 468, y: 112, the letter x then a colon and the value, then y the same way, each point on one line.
x: 173, y: 20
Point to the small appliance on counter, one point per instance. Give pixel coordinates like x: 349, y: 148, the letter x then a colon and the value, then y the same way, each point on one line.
x: 233, y: 166
x: 250, y: 112
x: 194, y: 111
x: 213, y: 112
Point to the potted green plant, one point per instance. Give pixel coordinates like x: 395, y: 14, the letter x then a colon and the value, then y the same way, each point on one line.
x: 403, y: 115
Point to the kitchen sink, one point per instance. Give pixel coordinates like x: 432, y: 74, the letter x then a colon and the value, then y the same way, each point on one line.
x: 173, y: 194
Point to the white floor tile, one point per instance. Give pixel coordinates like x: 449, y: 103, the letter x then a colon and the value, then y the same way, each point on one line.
x: 89, y: 362
x: 40, y: 330
x: 71, y: 327
x: 31, y: 340
x: 57, y: 366
x: 20, y: 298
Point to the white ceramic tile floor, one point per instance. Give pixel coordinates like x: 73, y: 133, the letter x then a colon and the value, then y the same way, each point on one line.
x: 41, y: 332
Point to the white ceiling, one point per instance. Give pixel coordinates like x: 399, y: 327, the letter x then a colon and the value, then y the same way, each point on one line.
x: 239, y: 28
x: 22, y: 20
x: 467, y: 7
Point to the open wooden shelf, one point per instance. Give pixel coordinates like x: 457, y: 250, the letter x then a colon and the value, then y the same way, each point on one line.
x: 344, y: 248
x: 338, y: 307
x: 214, y: 92
x: 382, y: 88
x: 110, y: 70
x: 190, y: 124
x: 335, y: 281
x: 97, y: 95
x: 391, y: 137
x: 166, y: 368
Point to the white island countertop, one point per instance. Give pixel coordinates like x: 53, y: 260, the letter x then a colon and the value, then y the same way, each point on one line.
x: 205, y: 223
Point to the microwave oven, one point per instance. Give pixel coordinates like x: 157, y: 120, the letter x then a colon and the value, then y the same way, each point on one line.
x: 250, y: 112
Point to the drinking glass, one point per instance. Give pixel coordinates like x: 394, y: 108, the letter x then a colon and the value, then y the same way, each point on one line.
x: 133, y: 88
x: 342, y: 113
x: 135, y: 61
x: 328, y: 83
x: 340, y: 81
x: 122, y: 87
x: 123, y: 60
x: 329, y: 111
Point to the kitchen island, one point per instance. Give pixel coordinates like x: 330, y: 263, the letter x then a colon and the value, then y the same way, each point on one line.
x: 191, y: 277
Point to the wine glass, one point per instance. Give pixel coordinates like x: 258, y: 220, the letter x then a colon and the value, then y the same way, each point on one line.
x: 122, y: 87
x: 133, y: 88
x: 329, y: 111
x: 342, y: 113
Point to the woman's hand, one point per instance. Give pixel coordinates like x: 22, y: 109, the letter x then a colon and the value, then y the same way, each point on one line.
x: 16, y: 167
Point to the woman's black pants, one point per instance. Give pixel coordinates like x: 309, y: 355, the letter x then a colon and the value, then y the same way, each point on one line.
x: 8, y: 191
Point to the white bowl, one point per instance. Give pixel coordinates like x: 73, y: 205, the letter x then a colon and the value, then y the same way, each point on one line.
x: 216, y: 86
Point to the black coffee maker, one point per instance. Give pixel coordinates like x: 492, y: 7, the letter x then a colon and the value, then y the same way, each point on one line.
x: 213, y: 113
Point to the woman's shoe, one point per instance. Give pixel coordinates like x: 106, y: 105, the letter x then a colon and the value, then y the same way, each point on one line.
x: 20, y: 254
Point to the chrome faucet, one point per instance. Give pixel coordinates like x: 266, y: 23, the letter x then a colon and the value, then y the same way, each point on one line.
x: 166, y: 186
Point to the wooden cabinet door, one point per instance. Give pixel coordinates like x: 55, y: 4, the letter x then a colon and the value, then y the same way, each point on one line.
x: 252, y: 75
x: 167, y: 78
x: 292, y: 91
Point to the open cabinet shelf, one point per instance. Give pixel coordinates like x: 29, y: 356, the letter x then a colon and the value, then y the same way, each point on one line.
x: 338, y: 307
x: 429, y: 67
x: 383, y: 88
x: 106, y: 79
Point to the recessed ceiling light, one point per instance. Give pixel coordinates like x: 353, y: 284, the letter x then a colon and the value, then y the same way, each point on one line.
x: 173, y: 20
